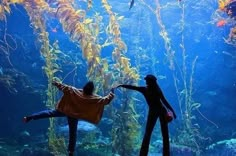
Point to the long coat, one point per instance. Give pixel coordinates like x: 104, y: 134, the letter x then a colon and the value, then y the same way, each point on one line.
x: 76, y: 104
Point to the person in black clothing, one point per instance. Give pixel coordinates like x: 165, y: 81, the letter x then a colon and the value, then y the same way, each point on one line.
x: 158, y: 106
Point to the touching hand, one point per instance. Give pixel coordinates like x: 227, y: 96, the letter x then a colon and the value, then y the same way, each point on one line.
x: 55, y: 83
x: 112, y: 90
x: 118, y: 86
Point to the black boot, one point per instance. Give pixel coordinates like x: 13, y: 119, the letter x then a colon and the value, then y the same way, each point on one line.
x: 71, y: 153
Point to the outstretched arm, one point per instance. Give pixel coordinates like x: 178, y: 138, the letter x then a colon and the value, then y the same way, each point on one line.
x: 140, y: 89
x: 107, y: 99
x: 61, y: 86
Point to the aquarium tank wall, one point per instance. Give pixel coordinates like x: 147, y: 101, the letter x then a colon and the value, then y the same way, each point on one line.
x: 190, y: 46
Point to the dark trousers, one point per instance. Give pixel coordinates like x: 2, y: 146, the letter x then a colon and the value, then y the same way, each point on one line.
x: 151, y: 121
x: 72, y: 122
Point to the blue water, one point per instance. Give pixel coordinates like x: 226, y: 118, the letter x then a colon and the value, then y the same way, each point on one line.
x: 184, y: 49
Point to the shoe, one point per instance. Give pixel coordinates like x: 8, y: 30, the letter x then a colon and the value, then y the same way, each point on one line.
x: 26, y: 119
x: 71, y: 153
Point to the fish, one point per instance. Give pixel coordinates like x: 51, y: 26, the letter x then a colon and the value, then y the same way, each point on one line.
x: 211, y: 93
x: 120, y: 18
x: 82, y: 126
x: 1, y: 71
x: 131, y: 4
x: 160, y: 77
x: 221, y: 23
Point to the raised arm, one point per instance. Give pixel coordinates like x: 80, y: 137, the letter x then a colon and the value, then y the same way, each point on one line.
x: 107, y: 99
x: 61, y: 86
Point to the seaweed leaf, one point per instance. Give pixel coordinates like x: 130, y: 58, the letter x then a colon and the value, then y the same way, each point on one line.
x: 195, y: 106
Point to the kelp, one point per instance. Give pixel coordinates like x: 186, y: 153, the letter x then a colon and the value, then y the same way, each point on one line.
x: 123, y: 133
x: 7, y: 42
x: 222, y: 4
x: 35, y: 10
x: 170, y: 53
x: 232, y: 37
x: 84, y: 32
x: 4, y: 9
x: 7, y: 81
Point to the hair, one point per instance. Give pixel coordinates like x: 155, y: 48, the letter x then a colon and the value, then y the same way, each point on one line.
x: 88, y: 88
x: 150, y: 77
x: 152, y: 83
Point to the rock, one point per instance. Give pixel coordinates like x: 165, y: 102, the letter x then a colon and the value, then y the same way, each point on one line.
x: 224, y: 147
x: 26, y: 152
x: 176, y: 150
x: 3, y: 151
x: 24, y: 137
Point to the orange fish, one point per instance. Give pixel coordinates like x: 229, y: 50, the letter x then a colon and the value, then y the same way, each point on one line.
x: 221, y: 23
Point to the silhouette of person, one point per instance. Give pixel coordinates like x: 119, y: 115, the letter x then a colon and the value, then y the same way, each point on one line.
x: 157, y: 109
x: 75, y: 104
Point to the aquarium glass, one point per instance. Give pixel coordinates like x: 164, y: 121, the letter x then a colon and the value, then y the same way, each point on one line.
x: 189, y: 45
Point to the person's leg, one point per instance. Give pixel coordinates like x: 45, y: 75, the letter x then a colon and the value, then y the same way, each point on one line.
x: 151, y: 121
x: 165, y: 136
x: 44, y: 114
x: 72, y: 122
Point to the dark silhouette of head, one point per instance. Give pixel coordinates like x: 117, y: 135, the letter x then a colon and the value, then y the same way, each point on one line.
x: 150, y: 77
x: 88, y: 88
x: 151, y: 80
